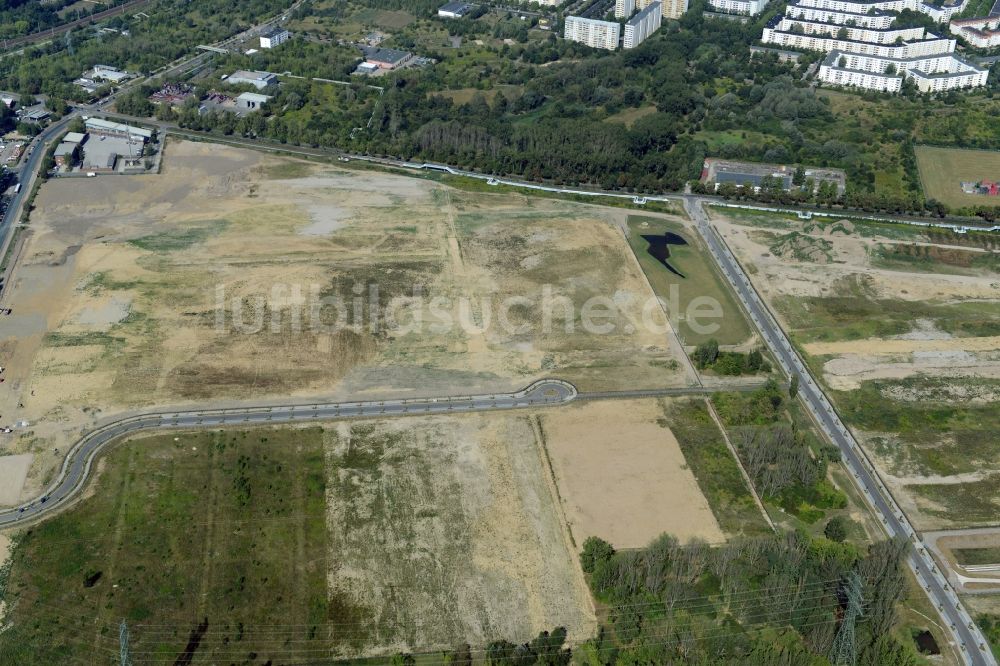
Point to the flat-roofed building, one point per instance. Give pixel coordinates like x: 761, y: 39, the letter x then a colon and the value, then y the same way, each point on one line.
x: 101, y: 127
x: 673, y: 9
x: 594, y: 33
x: 455, y: 10
x: 982, y: 32
x: 258, y: 80
x: 274, y: 36
x: 642, y: 25
x: 251, y: 101
x: 387, y: 58
x: 740, y: 7
x: 63, y: 154
x: 624, y: 8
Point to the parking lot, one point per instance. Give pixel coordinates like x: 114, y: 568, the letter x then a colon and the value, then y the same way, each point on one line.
x: 10, y: 152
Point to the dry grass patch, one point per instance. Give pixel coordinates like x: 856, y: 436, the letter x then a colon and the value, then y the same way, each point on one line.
x: 622, y: 476
x: 118, y: 294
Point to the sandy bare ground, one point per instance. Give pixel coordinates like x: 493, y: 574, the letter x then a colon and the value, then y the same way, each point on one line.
x: 622, y: 477
x: 883, y: 346
x: 847, y: 372
x: 13, y: 471
x: 946, y: 364
x: 234, y: 276
x: 446, y: 528
x: 785, y: 276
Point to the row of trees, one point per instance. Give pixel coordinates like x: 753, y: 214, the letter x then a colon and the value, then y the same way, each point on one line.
x: 777, y: 599
x: 707, y: 355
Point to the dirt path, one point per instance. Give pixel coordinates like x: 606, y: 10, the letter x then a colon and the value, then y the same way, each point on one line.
x: 739, y: 463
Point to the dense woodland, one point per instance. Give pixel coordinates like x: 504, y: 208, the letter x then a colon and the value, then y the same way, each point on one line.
x: 546, y: 109
x: 777, y: 599
x: 173, y: 29
x: 23, y: 17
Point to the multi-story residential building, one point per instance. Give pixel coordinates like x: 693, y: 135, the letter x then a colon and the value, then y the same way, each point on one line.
x: 624, y: 8
x: 598, y: 34
x: 642, y: 25
x: 982, y: 32
x: 744, y: 7
x: 940, y: 14
x: 871, y: 53
x: 274, y: 36
x: 930, y: 74
x: 673, y: 9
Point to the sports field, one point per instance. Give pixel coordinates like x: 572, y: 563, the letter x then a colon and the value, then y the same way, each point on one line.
x: 942, y: 171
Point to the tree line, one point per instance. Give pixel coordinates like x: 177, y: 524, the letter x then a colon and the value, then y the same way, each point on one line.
x: 778, y: 599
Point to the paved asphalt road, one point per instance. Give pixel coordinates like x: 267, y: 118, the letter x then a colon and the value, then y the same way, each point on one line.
x: 26, y: 176
x: 967, y: 636
x: 76, y: 467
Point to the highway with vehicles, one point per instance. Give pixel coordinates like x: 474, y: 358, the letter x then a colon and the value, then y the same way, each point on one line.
x: 968, y: 639
x: 27, y: 174
x: 76, y: 466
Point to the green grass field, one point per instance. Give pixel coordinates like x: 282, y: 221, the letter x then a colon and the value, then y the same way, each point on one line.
x: 975, y: 556
x: 715, y: 468
x: 628, y: 116
x: 856, y: 313
x: 698, y: 278
x: 227, y: 528
x: 943, y: 169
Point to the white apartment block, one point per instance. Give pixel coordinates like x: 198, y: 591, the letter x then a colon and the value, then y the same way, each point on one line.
x: 931, y: 45
x: 930, y: 74
x: 939, y: 14
x: 642, y: 25
x: 598, y: 34
x: 983, y: 32
x: 866, y: 51
x: 876, y: 21
x: 624, y: 8
x: 744, y: 7
x: 274, y: 36
x: 845, y: 33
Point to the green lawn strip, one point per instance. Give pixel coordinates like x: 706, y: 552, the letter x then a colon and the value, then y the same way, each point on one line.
x: 698, y: 279
x: 974, y: 556
x: 713, y: 466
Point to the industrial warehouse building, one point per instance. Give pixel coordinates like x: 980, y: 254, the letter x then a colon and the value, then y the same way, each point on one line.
x: 258, y: 80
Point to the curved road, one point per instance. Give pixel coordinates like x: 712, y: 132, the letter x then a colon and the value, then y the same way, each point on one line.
x: 76, y: 466
x: 967, y: 637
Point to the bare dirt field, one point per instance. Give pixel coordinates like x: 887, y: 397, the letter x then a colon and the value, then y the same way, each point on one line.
x: 13, y: 471
x: 471, y: 543
x: 235, y: 276
x: 903, y: 324
x: 621, y: 474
